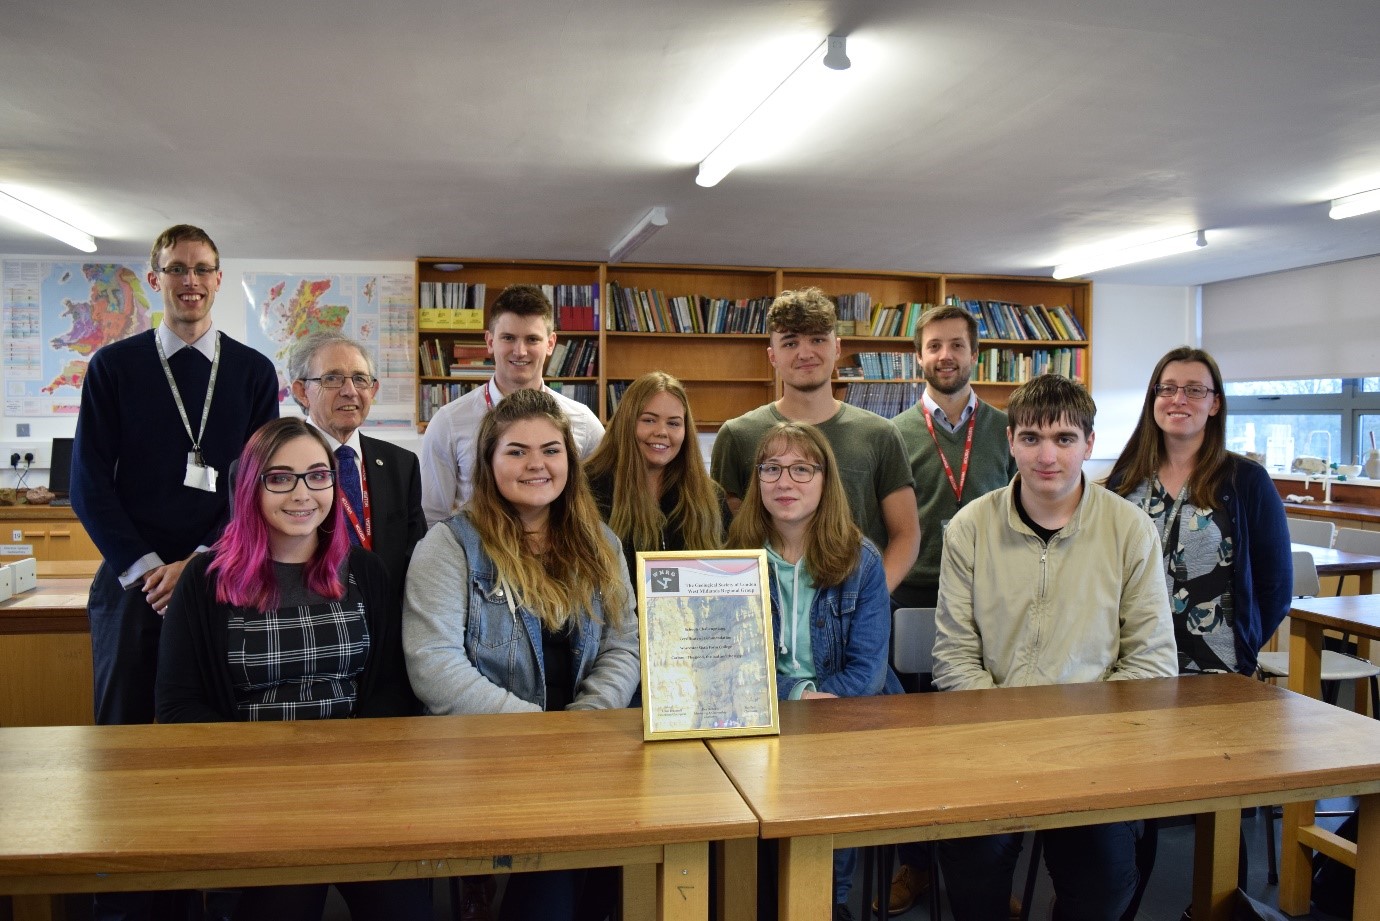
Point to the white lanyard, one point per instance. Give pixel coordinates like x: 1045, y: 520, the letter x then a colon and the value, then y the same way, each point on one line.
x: 177, y: 397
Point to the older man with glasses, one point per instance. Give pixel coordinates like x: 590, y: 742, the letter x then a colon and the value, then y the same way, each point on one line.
x: 333, y: 381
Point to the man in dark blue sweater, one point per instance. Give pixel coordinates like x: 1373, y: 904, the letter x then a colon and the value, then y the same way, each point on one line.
x: 163, y: 413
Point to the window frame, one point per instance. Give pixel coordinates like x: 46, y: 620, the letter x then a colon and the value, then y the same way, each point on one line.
x: 1349, y: 406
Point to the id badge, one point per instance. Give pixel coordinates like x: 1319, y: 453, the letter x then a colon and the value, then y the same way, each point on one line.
x: 199, y: 476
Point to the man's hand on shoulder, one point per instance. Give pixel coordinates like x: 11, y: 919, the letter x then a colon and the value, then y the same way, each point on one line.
x: 160, y: 582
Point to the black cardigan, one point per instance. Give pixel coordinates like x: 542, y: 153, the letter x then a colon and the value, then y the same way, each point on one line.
x: 194, y: 683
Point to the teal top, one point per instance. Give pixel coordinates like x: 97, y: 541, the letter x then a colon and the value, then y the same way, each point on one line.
x: 795, y: 591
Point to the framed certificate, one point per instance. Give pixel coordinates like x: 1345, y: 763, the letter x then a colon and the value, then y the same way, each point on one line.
x: 708, y: 664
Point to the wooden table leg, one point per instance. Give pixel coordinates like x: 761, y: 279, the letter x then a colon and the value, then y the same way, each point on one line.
x: 1305, y: 657
x: 807, y: 878
x: 1215, y: 856
x: 1295, y: 860
x: 1367, y: 900
x: 639, y: 892
x: 737, y: 866
x: 682, y: 883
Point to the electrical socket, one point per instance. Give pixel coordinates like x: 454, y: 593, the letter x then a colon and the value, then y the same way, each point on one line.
x: 29, y: 458
x: 40, y: 450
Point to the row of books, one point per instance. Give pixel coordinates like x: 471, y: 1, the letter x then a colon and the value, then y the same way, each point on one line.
x: 900, y: 320
x: 450, y: 295
x: 574, y: 358
x: 881, y: 366
x: 1010, y: 366
x: 651, y: 311
x: 431, y: 397
x: 587, y: 394
x: 854, y: 307
x: 577, y: 306
x: 1002, y: 320
x: 883, y: 399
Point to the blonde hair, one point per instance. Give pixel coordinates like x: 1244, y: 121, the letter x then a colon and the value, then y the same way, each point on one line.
x: 833, y: 543
x: 635, y: 513
x: 580, y: 563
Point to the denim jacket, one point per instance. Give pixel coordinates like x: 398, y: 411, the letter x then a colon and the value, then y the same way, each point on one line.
x: 850, y: 633
x: 472, y: 649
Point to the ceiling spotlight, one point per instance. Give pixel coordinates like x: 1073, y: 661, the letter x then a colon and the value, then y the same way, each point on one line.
x: 651, y: 222
x: 42, y: 221
x: 1183, y: 243
x: 1352, y: 205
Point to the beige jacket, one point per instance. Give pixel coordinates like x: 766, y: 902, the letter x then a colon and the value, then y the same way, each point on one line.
x: 1090, y: 606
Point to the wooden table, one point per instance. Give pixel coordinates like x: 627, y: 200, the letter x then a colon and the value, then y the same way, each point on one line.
x: 1358, y: 615
x: 1340, y: 563
x: 107, y: 808
x: 45, y: 655
x: 919, y: 767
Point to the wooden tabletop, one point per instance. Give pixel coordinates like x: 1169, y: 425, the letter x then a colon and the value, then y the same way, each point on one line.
x: 1357, y: 614
x: 1331, y: 561
x: 1000, y: 756
x: 53, y: 606
x: 402, y: 796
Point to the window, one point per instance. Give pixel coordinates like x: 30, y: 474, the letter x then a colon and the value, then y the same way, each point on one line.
x: 1329, y: 418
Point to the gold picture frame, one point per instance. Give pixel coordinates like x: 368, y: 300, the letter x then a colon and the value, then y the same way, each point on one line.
x: 708, y: 660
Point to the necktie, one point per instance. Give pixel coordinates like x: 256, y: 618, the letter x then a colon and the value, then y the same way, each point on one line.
x: 349, y: 484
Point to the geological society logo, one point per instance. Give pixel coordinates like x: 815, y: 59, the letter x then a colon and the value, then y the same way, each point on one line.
x: 665, y: 581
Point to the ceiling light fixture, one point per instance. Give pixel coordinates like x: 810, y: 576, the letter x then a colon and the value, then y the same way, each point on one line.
x: 1352, y: 205
x: 790, y: 98
x: 42, y: 221
x: 651, y: 222
x: 1184, y: 243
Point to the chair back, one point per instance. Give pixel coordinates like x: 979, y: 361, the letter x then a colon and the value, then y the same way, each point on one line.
x: 1306, y: 584
x: 912, y: 640
x: 1355, y: 540
x: 1311, y: 531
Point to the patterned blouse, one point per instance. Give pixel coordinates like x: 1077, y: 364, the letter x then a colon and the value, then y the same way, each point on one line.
x: 303, y: 660
x: 1198, y: 555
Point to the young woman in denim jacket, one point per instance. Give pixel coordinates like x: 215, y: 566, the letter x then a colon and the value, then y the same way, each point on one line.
x: 830, y: 611
x: 521, y: 602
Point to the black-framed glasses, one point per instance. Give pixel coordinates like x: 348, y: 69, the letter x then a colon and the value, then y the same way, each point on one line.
x: 336, y: 381
x: 1192, y: 391
x: 801, y: 473
x: 286, y: 481
x: 178, y: 270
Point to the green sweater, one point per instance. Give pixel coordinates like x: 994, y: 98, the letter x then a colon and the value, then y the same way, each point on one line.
x: 989, y: 468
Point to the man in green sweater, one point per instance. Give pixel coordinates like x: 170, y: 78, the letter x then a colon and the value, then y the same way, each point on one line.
x: 958, y: 451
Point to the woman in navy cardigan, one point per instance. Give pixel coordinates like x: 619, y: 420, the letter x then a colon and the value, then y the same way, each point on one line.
x: 1222, y: 529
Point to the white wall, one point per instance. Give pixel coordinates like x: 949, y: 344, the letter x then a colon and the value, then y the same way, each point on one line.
x: 1133, y: 326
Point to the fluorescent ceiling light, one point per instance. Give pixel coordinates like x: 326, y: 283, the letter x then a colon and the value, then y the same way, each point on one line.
x: 1352, y: 205
x: 1183, y: 243
x: 651, y: 222
x: 29, y: 216
x: 792, y: 98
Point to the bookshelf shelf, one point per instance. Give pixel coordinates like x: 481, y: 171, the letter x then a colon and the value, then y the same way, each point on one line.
x: 727, y: 373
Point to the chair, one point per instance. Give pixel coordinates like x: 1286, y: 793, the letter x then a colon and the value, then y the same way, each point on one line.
x: 1311, y: 532
x: 1336, y: 666
x: 912, y: 652
x: 1355, y: 540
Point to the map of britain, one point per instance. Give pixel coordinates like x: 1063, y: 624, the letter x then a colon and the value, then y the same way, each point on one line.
x: 57, y: 314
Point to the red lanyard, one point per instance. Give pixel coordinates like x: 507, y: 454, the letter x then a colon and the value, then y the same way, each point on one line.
x: 365, y: 531
x: 957, y: 486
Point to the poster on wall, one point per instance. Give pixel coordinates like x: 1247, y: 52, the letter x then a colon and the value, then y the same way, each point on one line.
x: 57, y: 313
x: 375, y: 308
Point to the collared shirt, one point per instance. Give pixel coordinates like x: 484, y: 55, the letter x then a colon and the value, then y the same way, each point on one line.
x: 172, y: 344
x: 448, y: 447
x: 941, y: 418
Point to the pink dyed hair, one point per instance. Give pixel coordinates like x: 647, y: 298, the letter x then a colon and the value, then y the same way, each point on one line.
x: 242, y: 558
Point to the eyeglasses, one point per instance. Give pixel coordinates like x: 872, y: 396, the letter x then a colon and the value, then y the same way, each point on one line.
x: 336, y: 381
x: 177, y: 270
x: 801, y: 473
x: 1192, y: 391
x: 285, y: 481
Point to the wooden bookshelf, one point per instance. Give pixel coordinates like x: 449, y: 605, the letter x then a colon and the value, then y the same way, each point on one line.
x: 727, y: 373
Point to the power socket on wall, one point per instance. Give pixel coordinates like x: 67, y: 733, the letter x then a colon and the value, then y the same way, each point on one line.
x: 41, y: 451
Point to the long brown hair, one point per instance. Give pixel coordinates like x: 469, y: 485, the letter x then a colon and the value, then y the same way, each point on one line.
x: 833, y: 543
x: 636, y: 513
x: 580, y: 561
x: 1140, y: 460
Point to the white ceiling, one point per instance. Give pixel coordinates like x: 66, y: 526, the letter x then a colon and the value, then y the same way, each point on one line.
x: 993, y: 136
